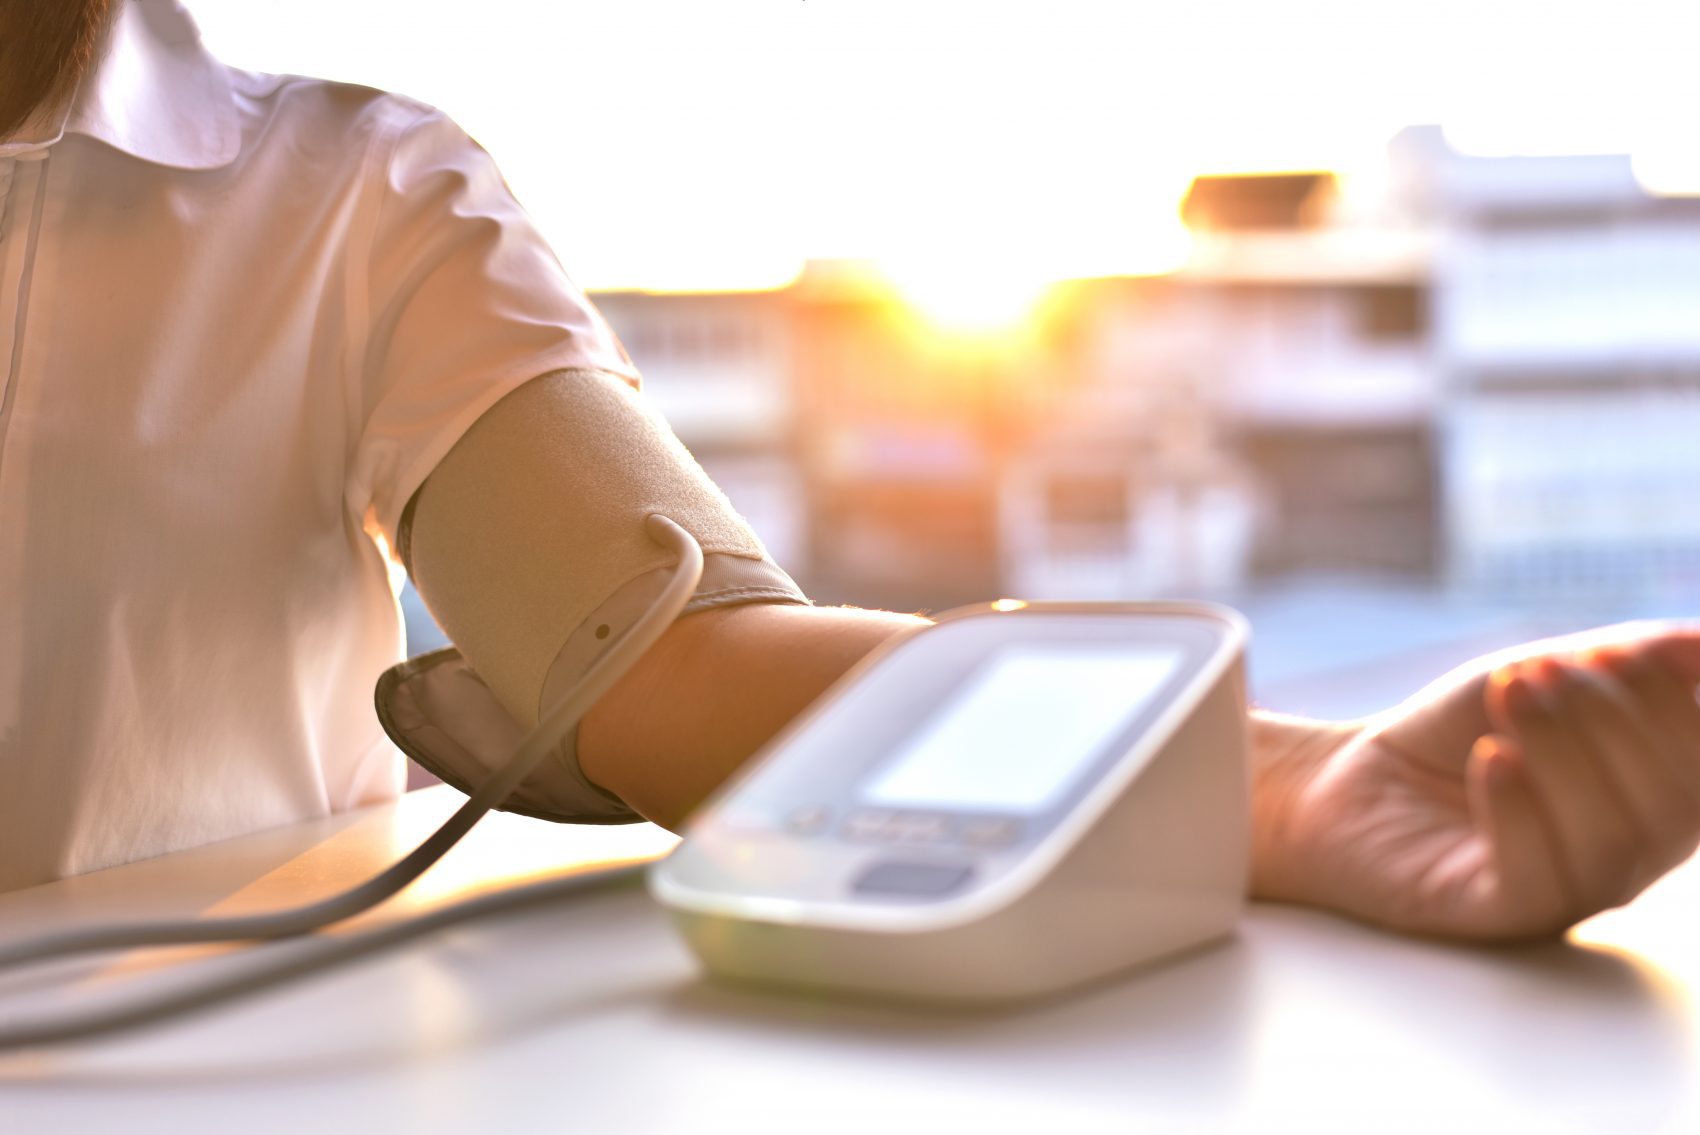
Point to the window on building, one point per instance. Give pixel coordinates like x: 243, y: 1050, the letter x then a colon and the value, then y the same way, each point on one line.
x: 1392, y: 313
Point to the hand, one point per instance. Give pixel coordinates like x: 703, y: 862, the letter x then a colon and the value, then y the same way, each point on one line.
x: 1511, y: 799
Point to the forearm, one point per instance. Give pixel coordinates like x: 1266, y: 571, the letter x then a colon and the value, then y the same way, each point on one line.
x: 720, y: 684
x: 1391, y: 819
x: 713, y: 691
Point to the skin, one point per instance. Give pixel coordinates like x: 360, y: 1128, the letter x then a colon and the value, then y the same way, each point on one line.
x: 1508, y: 800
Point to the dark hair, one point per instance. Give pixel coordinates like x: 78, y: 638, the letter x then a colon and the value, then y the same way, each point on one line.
x: 45, y: 46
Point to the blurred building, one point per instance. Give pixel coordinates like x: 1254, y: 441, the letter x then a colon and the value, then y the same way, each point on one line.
x: 901, y: 435
x: 1569, y: 353
x: 1267, y: 410
x: 1488, y: 376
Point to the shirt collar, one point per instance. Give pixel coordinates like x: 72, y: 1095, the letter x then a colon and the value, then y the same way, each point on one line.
x: 156, y: 93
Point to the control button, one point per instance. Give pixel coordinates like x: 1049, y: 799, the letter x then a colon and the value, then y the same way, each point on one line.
x: 808, y: 820
x: 870, y: 824
x: 990, y: 833
x: 916, y: 880
x: 918, y: 827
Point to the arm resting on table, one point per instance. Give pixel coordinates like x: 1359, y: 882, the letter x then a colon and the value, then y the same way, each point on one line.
x: 1505, y: 800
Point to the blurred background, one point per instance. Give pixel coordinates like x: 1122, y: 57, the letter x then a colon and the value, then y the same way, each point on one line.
x: 1378, y: 321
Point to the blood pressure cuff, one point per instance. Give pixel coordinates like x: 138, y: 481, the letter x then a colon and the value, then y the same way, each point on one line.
x: 528, y: 544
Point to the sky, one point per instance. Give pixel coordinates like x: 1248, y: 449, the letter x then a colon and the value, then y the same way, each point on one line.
x: 966, y: 148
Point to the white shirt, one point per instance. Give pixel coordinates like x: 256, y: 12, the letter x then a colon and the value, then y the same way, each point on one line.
x: 241, y: 318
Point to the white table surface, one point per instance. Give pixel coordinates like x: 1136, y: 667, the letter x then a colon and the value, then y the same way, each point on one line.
x: 590, y: 1016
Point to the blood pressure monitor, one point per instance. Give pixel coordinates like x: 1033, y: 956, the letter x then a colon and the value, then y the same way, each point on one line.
x: 1017, y: 799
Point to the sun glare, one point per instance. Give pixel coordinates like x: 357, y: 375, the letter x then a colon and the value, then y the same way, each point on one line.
x: 958, y: 301
x: 994, y: 292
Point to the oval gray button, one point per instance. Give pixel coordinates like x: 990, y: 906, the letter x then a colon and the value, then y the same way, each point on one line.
x: 917, y: 879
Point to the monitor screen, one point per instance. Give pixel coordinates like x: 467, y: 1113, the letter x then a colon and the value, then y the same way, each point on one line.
x: 1017, y: 734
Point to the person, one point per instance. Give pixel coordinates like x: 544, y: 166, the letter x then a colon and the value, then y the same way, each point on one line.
x: 264, y: 338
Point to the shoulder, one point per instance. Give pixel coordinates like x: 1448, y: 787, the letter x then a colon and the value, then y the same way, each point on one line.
x: 321, y: 115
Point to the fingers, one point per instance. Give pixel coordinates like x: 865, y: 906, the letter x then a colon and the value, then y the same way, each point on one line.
x: 1532, y: 892
x: 1600, y: 845
x: 1680, y: 651
x: 1638, y: 759
x: 1664, y: 700
x: 1593, y: 763
x: 1498, y: 711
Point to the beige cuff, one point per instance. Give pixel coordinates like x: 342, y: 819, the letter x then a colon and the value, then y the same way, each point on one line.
x: 528, y: 543
x: 440, y: 713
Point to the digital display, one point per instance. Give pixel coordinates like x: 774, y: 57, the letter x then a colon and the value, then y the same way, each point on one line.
x: 1016, y: 735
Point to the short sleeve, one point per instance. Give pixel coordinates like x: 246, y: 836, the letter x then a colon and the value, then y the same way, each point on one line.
x: 465, y: 302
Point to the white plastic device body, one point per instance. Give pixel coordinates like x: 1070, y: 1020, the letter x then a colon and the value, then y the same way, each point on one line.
x: 971, y: 815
